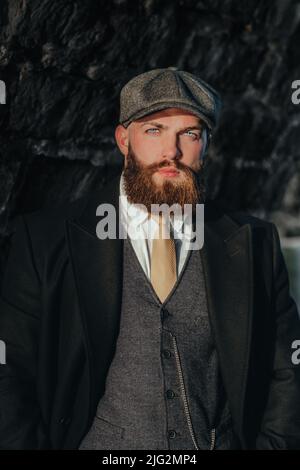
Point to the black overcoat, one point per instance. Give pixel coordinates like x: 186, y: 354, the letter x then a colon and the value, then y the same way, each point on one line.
x: 60, y: 312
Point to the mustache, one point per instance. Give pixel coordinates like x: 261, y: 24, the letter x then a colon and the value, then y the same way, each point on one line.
x: 152, y: 168
x: 134, y: 165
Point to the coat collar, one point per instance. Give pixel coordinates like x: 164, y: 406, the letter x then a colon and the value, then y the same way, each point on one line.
x: 227, y: 263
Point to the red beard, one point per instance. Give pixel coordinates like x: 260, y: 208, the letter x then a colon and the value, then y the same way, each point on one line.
x: 141, y: 189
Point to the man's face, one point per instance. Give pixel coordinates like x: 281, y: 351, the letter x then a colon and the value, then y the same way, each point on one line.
x: 163, y: 158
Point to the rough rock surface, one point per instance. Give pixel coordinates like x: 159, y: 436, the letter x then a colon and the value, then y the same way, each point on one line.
x: 65, y: 61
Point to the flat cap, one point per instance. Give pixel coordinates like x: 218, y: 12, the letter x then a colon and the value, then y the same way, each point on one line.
x: 167, y: 88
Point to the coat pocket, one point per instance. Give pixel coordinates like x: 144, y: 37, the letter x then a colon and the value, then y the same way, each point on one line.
x: 103, y: 435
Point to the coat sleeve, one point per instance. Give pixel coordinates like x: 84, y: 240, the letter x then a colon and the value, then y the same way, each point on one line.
x: 21, y: 424
x: 281, y: 421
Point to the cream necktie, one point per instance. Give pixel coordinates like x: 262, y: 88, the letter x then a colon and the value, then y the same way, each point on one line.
x: 163, y: 262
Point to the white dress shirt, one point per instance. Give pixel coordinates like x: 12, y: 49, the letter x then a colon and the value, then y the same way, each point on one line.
x: 139, y: 228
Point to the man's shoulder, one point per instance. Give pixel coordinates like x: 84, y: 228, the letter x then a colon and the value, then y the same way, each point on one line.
x: 240, y: 217
x: 51, y: 220
x: 263, y: 232
x: 54, y: 218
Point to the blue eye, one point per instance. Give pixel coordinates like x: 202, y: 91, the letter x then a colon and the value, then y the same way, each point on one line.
x: 152, y: 129
x: 192, y: 134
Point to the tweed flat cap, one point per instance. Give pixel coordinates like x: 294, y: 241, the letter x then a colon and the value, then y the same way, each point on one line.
x: 167, y: 88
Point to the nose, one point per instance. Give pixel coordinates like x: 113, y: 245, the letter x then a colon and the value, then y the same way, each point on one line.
x: 171, y: 149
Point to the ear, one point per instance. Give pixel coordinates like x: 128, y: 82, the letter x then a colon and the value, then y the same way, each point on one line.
x: 121, y: 136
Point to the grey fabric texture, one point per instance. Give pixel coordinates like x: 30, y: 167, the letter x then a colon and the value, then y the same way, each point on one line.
x: 155, y: 398
x: 165, y: 88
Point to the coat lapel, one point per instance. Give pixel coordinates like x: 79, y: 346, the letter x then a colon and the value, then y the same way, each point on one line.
x: 227, y: 263
x: 97, y: 267
x: 228, y: 271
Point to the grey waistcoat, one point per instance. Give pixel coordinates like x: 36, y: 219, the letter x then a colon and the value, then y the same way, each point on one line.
x: 163, y: 388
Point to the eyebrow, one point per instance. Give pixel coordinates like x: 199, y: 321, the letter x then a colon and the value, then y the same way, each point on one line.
x: 199, y: 127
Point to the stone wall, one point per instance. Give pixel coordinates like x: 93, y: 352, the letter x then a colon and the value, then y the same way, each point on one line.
x: 64, y: 63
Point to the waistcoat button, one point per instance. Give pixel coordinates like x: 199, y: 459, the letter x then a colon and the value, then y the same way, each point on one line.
x: 167, y: 353
x: 172, y: 434
x: 170, y: 394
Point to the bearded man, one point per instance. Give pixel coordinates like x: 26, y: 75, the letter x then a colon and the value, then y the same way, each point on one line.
x: 143, y: 342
